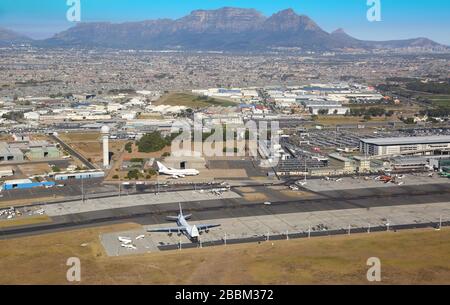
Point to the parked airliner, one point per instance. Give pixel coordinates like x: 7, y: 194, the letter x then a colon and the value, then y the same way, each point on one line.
x: 176, y: 173
x: 191, y: 232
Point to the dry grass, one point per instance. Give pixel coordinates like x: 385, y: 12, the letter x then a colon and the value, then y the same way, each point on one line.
x: 34, y: 169
x: 5, y: 203
x: 80, y: 137
x: 255, y: 197
x: 337, y: 120
x: 6, y: 137
x: 408, y: 257
x: 23, y: 221
x: 296, y: 194
x: 94, y: 150
x: 246, y: 189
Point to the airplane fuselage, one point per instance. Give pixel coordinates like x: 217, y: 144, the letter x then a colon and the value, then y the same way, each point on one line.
x: 180, y: 172
x: 191, y: 232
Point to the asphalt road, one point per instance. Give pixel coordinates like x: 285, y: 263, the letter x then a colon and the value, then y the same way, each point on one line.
x: 71, y: 151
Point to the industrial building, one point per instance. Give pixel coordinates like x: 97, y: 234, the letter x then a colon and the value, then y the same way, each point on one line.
x: 33, y: 150
x: 89, y: 174
x: 405, y: 145
x: 43, y: 152
x: 332, y: 107
x: 409, y: 164
x: 11, y: 154
x: 25, y: 184
x: 6, y: 172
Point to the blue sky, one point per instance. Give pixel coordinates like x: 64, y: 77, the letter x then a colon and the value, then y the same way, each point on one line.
x: 400, y: 18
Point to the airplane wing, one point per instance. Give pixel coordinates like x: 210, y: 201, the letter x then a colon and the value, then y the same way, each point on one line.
x: 206, y: 227
x: 168, y: 230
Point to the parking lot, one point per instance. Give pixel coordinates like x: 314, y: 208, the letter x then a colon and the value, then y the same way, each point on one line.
x: 261, y: 228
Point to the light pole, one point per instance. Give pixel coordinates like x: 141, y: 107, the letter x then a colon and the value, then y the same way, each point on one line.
x: 82, y: 189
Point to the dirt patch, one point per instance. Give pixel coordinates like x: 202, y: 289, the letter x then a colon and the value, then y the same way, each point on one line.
x: 34, y: 169
x: 255, y: 197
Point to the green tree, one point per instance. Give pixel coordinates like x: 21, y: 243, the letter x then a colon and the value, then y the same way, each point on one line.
x: 152, y: 142
x: 323, y: 111
x: 133, y: 174
x: 129, y: 147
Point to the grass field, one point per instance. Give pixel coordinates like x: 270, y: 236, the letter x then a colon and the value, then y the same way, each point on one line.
x: 80, y: 137
x: 6, y: 202
x: 89, y: 144
x: 441, y: 102
x: 23, y: 221
x: 408, y: 257
x: 192, y: 101
x: 337, y: 120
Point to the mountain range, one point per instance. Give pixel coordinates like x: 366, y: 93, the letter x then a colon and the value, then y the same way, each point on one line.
x: 225, y: 29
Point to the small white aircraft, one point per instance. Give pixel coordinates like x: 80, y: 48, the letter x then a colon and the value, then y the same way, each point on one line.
x: 301, y: 183
x: 191, y: 232
x: 294, y: 188
x: 40, y: 212
x: 124, y: 240
x: 128, y: 246
x: 176, y: 173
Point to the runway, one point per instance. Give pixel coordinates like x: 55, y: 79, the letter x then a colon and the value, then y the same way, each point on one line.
x: 208, y: 210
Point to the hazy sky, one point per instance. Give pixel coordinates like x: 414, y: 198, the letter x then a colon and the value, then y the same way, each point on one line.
x: 400, y: 18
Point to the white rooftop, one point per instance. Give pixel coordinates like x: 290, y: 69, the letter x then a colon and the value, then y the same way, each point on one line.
x: 408, y: 140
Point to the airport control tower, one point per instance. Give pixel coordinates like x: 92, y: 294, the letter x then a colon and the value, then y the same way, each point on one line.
x: 105, y: 137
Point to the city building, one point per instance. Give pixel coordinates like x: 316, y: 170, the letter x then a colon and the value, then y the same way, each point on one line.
x: 405, y: 145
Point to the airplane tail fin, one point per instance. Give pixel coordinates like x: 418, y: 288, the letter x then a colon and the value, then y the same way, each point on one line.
x: 181, y: 210
x: 161, y: 166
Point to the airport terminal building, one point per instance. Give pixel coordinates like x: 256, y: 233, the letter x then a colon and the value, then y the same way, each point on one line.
x: 405, y: 145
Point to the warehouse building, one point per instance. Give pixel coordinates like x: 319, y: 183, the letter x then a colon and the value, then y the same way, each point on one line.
x: 88, y: 174
x: 43, y: 152
x: 24, y: 184
x: 6, y: 172
x: 405, y: 145
x: 331, y: 107
x: 10, y: 154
